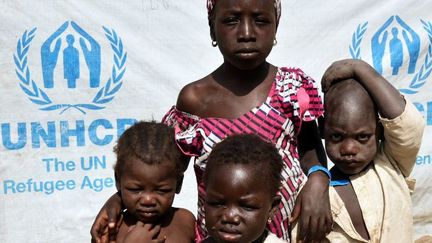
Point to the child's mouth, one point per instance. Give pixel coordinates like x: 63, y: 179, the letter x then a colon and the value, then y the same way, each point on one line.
x: 229, y: 235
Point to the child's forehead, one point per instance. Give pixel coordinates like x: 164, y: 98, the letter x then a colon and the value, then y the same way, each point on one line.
x: 159, y: 163
x: 242, y: 171
x: 277, y: 5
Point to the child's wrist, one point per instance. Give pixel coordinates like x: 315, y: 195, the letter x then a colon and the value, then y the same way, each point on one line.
x: 319, y: 168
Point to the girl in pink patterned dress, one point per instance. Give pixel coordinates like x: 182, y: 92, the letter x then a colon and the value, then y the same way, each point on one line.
x: 246, y: 94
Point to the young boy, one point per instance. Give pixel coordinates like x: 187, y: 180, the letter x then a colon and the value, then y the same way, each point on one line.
x: 373, y: 154
x: 242, y: 181
x: 148, y: 173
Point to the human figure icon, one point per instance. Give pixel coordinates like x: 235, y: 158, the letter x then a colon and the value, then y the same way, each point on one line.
x: 412, y: 41
x: 92, y: 55
x: 49, y: 57
x: 396, y: 52
x: 379, y: 44
x: 71, y: 68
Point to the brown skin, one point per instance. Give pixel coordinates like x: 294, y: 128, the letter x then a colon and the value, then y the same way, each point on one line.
x: 238, y: 204
x: 178, y: 226
x: 351, y: 131
x: 244, y: 31
x: 147, y: 192
x: 351, y: 139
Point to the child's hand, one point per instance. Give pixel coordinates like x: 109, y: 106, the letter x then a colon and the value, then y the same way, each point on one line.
x: 340, y: 70
x: 107, y: 222
x: 312, y: 209
x: 145, y: 233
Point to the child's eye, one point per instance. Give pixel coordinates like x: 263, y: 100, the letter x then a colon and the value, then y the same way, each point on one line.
x: 249, y: 207
x: 162, y: 191
x: 262, y: 21
x: 335, y: 137
x: 363, y: 137
x: 134, y: 190
x: 230, y: 20
x: 215, y: 204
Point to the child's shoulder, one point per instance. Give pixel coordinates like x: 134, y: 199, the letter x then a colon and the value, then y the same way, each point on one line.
x: 183, y: 222
x: 183, y: 214
x: 193, y: 94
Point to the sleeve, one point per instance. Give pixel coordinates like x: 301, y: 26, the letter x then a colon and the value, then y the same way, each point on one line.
x: 311, y: 105
x: 402, y: 137
x: 187, y: 134
x: 301, y: 91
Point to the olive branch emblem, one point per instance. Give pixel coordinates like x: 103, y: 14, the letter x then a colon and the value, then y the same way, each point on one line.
x: 39, y: 97
x: 423, y: 73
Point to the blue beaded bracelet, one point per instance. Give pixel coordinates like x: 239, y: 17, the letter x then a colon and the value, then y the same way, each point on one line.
x: 316, y: 168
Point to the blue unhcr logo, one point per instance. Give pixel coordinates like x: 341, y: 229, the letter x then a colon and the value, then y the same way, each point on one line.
x: 396, y: 39
x: 72, y: 61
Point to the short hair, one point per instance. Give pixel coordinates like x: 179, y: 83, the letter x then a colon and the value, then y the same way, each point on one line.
x: 151, y: 143
x: 250, y: 150
x: 349, y: 92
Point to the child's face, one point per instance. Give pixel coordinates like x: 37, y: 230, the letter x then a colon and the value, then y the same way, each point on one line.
x: 244, y: 31
x: 350, y: 136
x: 148, y: 190
x: 238, y: 204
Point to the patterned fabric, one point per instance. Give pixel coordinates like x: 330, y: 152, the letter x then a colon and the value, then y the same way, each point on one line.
x: 293, y: 98
x: 277, y: 5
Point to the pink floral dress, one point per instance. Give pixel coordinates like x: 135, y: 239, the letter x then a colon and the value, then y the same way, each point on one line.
x: 293, y: 98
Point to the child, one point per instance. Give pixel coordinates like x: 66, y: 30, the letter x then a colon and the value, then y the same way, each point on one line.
x: 246, y: 94
x: 148, y: 173
x: 242, y: 179
x: 370, y: 198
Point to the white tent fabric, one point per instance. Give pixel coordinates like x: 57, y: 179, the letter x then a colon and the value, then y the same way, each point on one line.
x: 75, y: 74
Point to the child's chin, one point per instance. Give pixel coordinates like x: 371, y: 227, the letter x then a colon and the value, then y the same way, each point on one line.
x: 148, y: 218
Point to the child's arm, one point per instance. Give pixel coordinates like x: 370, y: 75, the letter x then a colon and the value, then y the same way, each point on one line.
x: 312, y: 208
x: 105, y: 226
x: 388, y: 99
x: 403, y: 124
x: 144, y: 233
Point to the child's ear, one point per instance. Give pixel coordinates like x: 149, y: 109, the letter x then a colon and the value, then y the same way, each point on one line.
x: 179, y: 184
x: 321, y: 121
x: 275, y: 205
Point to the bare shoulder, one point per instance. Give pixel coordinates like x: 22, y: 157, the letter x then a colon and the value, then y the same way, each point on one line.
x: 183, y: 225
x: 193, y: 95
x: 184, y: 216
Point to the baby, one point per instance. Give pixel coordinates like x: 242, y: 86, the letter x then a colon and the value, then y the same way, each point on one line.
x: 148, y: 173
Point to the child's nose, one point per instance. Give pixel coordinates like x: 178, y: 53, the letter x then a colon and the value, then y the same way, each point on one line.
x: 231, y: 216
x: 349, y: 148
x: 147, y: 199
x: 246, y: 32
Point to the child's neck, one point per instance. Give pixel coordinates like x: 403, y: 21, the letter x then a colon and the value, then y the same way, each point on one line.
x: 130, y: 219
x: 239, y: 81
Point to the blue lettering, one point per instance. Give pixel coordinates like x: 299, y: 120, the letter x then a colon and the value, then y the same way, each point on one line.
x: 93, y: 163
x: 47, y: 136
x: 47, y: 187
x: 56, y: 165
x: 8, y: 185
x: 123, y: 124
x: 6, y: 136
x: 93, y: 132
x: 423, y: 160
x: 100, y: 132
x: 97, y: 184
x: 427, y: 113
x: 66, y: 133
